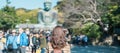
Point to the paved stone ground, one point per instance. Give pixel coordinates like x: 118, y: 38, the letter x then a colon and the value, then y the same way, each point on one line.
x: 95, y: 49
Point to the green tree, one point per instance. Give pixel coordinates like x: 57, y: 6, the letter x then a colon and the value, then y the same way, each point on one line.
x: 91, y: 30
x: 25, y: 14
x: 8, y: 18
x: 112, y: 16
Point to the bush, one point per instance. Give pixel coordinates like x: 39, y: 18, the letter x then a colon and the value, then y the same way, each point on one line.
x: 91, y: 30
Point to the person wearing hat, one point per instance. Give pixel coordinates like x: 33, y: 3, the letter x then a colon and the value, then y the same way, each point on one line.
x: 12, y: 45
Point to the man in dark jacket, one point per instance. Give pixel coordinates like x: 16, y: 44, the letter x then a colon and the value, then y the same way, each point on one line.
x: 35, y: 42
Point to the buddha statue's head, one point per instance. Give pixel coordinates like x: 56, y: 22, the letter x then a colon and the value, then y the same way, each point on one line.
x: 47, y: 5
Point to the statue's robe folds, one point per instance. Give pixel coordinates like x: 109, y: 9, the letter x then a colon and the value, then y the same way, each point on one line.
x: 47, y: 19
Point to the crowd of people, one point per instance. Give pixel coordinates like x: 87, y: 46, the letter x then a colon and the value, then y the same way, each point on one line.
x: 39, y: 41
x: 81, y: 39
x: 19, y: 41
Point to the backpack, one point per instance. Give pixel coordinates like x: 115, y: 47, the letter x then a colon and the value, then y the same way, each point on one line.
x: 10, y: 46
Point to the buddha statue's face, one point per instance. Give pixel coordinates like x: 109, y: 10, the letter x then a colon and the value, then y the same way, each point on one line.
x: 47, y: 6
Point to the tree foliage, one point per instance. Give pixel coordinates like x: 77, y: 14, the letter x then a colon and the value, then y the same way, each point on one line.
x: 112, y: 16
x: 79, y: 12
x: 24, y: 15
x: 91, y: 30
x: 10, y: 17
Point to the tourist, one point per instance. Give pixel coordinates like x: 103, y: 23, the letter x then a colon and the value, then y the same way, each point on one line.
x: 85, y: 40
x: 43, y: 43
x: 27, y: 31
x: 78, y: 39
x: 48, y: 38
x: 2, y: 42
x: 30, y: 38
x: 48, y: 33
x: 35, y: 42
x: 22, y: 40
x: 9, y: 32
x: 69, y: 38
x: 12, y: 42
x: 73, y: 39
x: 58, y: 41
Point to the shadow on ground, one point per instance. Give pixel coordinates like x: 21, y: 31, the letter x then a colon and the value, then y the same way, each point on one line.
x: 95, y: 49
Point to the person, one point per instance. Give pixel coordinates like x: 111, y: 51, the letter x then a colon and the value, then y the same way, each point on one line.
x: 22, y: 40
x: 9, y: 32
x: 48, y: 33
x: 73, y: 40
x: 27, y: 31
x: 30, y: 38
x: 2, y: 42
x: 43, y: 42
x: 35, y: 42
x: 85, y: 40
x: 12, y: 40
x: 58, y: 41
x: 69, y: 38
x: 77, y: 39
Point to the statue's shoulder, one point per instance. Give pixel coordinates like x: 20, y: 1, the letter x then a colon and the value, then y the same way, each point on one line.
x: 54, y: 11
x: 40, y: 11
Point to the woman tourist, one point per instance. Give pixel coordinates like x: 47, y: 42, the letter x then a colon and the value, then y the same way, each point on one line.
x: 58, y: 41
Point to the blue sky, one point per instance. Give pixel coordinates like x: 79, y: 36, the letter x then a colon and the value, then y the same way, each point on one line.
x: 28, y: 4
